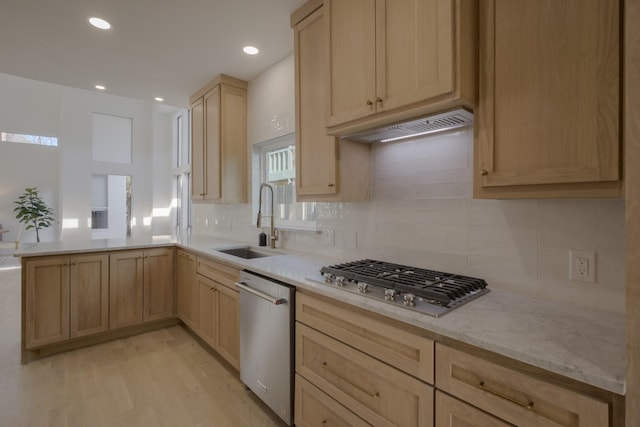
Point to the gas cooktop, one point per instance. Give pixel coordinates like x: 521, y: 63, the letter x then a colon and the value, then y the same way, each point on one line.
x: 427, y: 291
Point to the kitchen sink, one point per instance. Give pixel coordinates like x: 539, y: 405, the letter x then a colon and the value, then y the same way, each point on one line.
x: 246, y: 252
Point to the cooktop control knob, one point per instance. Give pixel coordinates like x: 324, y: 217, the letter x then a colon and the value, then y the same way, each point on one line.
x: 390, y: 294
x: 328, y: 278
x: 363, y: 287
x: 410, y: 300
x: 340, y: 281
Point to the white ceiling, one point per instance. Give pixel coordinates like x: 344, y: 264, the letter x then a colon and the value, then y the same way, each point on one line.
x: 166, y: 48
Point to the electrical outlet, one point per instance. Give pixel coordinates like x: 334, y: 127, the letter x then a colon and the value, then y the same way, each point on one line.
x: 582, y: 266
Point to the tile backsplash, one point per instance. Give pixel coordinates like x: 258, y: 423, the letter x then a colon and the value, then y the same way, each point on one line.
x: 422, y: 213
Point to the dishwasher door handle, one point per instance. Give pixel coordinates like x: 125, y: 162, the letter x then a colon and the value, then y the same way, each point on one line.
x: 271, y: 299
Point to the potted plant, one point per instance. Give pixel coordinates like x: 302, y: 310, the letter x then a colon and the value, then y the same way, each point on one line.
x: 33, y: 211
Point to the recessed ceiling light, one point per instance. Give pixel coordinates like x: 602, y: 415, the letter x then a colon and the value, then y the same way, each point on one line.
x: 157, y: 98
x: 100, y: 87
x: 250, y: 50
x: 99, y: 23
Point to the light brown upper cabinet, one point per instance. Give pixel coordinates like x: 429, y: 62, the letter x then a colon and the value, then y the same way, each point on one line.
x: 326, y: 169
x: 395, y: 59
x: 548, y: 119
x: 219, y: 141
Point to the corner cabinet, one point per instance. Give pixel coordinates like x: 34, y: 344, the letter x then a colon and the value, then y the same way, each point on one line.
x: 391, y: 60
x: 327, y: 169
x: 186, y: 287
x: 548, y: 119
x: 219, y: 141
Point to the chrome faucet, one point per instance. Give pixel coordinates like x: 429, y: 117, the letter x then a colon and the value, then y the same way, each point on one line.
x: 273, y: 235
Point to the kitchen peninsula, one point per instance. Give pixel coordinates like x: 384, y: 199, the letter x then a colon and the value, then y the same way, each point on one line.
x: 568, y: 348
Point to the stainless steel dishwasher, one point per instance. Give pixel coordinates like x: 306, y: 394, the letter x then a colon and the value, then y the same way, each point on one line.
x: 266, y: 341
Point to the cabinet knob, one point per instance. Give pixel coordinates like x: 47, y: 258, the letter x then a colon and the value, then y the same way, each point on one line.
x: 369, y: 103
x: 379, y: 100
x: 331, y: 185
x: 484, y: 172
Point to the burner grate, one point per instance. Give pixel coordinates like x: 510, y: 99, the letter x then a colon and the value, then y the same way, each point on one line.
x: 442, y: 288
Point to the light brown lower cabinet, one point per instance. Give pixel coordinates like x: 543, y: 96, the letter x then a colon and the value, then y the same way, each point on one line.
x: 228, y: 326
x: 375, y: 391
x: 218, y: 308
x: 313, y: 408
x: 451, y: 412
x: 140, y: 287
x: 516, y: 397
x: 207, y: 323
x: 65, y: 297
x: 186, y: 291
x: 89, y: 295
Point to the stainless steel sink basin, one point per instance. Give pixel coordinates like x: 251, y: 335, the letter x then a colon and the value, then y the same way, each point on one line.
x: 246, y: 252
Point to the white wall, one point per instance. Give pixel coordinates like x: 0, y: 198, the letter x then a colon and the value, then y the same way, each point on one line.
x: 28, y: 106
x: 33, y: 108
x: 422, y: 213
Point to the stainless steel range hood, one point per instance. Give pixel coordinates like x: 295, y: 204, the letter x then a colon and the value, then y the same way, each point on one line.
x: 446, y: 120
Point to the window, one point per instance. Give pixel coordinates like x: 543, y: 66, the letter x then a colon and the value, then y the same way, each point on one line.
x: 29, y: 139
x: 112, y: 138
x: 181, y: 190
x: 277, y: 165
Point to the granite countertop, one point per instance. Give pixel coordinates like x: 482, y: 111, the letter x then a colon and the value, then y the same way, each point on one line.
x: 583, y: 344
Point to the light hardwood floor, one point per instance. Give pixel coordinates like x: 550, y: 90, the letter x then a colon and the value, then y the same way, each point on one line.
x: 161, y: 378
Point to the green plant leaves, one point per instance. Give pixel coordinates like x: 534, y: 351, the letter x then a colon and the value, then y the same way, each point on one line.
x: 33, y: 211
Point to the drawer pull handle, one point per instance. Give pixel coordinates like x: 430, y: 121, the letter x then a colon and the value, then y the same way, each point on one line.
x: 528, y: 405
x: 324, y: 422
x: 362, y: 389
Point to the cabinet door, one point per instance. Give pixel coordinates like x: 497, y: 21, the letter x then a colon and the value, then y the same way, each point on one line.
x: 125, y: 289
x: 316, y: 171
x: 451, y: 412
x: 197, y: 151
x: 228, y: 332
x: 186, y: 288
x: 549, y: 94
x: 89, y: 294
x: 158, y: 284
x: 46, y: 301
x: 233, y: 137
x: 207, y: 310
x: 212, y: 172
x: 351, y: 60
x: 414, y: 51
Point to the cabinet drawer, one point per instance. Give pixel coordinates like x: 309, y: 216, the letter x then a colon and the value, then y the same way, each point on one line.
x: 514, y: 396
x: 314, y: 408
x: 219, y: 272
x: 380, y: 394
x: 405, y: 350
x: 451, y: 412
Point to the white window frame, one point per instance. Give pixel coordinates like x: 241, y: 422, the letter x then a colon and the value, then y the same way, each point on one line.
x: 260, y: 169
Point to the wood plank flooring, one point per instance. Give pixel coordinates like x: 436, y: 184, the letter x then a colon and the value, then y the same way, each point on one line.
x: 160, y: 378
